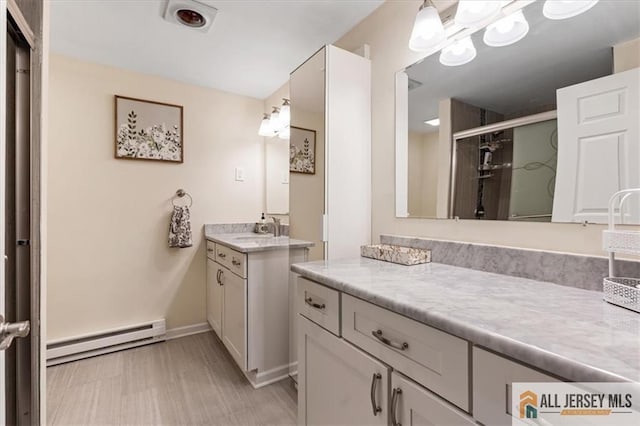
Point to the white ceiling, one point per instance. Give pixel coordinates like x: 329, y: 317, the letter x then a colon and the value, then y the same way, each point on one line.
x: 527, y: 74
x: 250, y: 50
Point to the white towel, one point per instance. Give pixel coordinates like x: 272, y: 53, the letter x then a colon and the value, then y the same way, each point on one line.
x: 180, y: 228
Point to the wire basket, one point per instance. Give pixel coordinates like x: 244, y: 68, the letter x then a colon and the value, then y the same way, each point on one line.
x: 623, y: 292
x: 621, y: 241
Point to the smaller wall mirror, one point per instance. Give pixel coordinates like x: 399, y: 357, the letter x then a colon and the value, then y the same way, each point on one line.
x: 544, y: 129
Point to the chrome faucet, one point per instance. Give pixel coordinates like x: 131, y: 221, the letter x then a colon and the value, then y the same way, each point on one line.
x: 276, y: 226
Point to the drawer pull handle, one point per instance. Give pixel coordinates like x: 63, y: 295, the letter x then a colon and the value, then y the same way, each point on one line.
x: 210, y: 250
x: 374, y: 383
x: 235, y: 262
x: 400, y: 346
x: 309, y: 301
x: 395, y: 396
x: 222, y: 255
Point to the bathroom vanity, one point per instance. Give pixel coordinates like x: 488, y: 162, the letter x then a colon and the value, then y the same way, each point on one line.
x: 382, y: 343
x: 248, y: 298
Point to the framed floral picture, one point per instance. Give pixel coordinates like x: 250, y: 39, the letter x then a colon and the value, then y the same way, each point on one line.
x: 302, y: 150
x: 148, y: 130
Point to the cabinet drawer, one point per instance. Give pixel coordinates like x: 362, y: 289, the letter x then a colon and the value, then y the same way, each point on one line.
x: 211, y: 250
x: 320, y: 304
x: 234, y: 260
x: 431, y: 357
x: 492, y: 379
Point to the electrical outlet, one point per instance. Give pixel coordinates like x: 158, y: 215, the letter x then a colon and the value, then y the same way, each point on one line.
x: 239, y: 174
x: 285, y: 178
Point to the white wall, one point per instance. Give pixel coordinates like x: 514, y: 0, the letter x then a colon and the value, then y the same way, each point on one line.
x: 387, y: 31
x: 277, y: 164
x: 109, y: 264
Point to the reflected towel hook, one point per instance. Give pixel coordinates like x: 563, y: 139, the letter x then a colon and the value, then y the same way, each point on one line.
x: 180, y: 193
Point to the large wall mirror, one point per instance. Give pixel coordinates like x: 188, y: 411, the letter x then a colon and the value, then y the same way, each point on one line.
x: 545, y: 129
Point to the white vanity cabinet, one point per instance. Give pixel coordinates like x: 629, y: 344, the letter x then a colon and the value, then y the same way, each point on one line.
x: 426, y: 376
x: 338, y: 384
x: 248, y: 307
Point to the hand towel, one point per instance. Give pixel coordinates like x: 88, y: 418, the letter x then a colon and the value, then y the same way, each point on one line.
x: 180, y: 228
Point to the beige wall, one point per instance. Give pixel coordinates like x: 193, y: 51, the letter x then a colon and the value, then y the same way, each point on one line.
x: 626, y: 56
x: 387, y: 31
x: 423, y: 174
x: 109, y: 264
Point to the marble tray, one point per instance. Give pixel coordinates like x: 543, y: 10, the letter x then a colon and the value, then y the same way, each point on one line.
x: 396, y: 254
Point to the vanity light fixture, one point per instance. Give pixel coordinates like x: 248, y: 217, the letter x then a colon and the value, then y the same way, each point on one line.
x: 285, y: 112
x: 459, y: 53
x: 285, y: 133
x: 435, y: 122
x: 265, y: 127
x: 428, y: 31
x: 507, y: 30
x: 565, y: 9
x: 474, y: 13
x: 274, y: 121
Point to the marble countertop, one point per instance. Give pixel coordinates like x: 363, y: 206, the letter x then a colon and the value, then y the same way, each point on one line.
x: 247, y: 242
x: 569, y: 332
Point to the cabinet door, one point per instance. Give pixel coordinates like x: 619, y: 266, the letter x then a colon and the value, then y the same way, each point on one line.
x: 337, y: 383
x: 493, y: 376
x: 214, y: 297
x: 234, y: 316
x: 411, y: 404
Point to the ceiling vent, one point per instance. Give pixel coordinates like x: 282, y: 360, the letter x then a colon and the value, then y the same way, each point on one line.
x: 191, y: 13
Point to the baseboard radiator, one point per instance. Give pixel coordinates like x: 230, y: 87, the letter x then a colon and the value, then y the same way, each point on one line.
x: 71, y: 349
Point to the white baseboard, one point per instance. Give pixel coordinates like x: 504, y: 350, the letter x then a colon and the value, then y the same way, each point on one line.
x: 259, y: 379
x: 188, y: 330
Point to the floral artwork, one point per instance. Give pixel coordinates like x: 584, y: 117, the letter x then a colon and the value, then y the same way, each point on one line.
x: 147, y: 130
x: 302, y: 150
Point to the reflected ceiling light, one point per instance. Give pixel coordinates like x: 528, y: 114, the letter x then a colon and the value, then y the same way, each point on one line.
x: 435, y: 122
x: 428, y: 31
x: 474, y: 13
x: 507, y: 30
x: 285, y: 112
x: 459, y: 53
x: 285, y: 133
x: 265, y: 127
x: 564, y: 9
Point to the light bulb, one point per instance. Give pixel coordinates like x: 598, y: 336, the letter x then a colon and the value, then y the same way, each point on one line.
x: 564, y: 9
x: 474, y: 13
x: 459, y: 53
x: 265, y: 127
x: 506, y: 31
x: 428, y: 31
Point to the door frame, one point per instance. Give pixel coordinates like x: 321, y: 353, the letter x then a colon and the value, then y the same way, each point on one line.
x: 36, y: 32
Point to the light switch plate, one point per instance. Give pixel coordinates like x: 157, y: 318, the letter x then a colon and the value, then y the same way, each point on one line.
x: 285, y: 177
x: 239, y: 174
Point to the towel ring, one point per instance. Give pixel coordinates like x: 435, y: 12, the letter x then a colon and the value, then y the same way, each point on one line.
x: 180, y: 193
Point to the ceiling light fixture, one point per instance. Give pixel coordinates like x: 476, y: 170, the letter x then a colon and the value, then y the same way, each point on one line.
x: 565, y: 9
x: 265, y: 127
x: 507, y: 30
x: 428, y: 31
x: 475, y: 13
x: 459, y: 53
x: 191, y: 18
x: 435, y: 122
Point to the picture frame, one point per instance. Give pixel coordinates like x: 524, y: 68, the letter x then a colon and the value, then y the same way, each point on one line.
x: 302, y: 150
x: 148, y: 130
